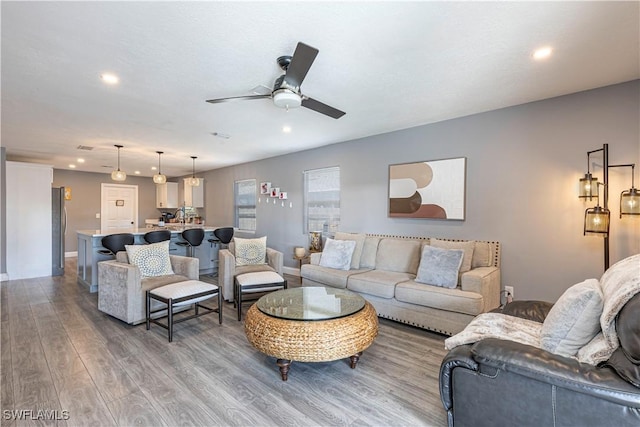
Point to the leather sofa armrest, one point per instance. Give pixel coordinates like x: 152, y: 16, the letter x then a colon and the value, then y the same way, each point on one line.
x: 530, y: 310
x: 484, y: 281
x: 226, y: 273
x: 275, y: 259
x: 564, y: 372
x: 457, y: 357
x: 185, y: 266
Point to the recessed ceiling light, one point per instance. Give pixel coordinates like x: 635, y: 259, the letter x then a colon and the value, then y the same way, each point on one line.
x: 80, y: 160
x: 110, y: 79
x: 137, y: 172
x: 542, y: 53
x: 153, y: 168
x: 286, y: 129
x: 72, y: 166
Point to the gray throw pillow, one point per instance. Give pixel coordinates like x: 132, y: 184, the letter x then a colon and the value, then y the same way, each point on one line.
x: 468, y: 248
x: 574, y: 319
x: 357, y: 252
x: 337, y: 254
x: 439, y: 267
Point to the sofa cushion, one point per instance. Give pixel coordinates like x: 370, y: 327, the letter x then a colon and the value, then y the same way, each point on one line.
x: 454, y: 300
x: 369, y: 251
x: 357, y: 252
x: 468, y: 248
x: 482, y: 255
x: 152, y: 260
x: 626, y: 359
x: 380, y: 283
x: 337, y: 254
x: 439, y: 267
x: 327, y: 276
x: 573, y: 320
x: 250, y: 251
x: 399, y: 255
x: 147, y: 283
x: 253, y: 268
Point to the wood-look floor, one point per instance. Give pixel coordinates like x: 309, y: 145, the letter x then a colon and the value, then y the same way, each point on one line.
x: 59, y: 353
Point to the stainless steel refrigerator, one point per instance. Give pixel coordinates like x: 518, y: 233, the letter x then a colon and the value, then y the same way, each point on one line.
x: 58, y: 230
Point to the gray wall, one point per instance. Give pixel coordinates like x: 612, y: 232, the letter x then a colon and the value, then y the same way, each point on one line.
x: 3, y: 213
x: 523, y: 165
x: 85, y: 200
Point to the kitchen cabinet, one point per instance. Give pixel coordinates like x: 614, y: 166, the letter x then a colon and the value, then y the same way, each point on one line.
x: 167, y: 195
x: 194, y: 196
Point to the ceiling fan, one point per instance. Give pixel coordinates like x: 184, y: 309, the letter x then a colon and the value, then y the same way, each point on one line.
x: 286, y: 89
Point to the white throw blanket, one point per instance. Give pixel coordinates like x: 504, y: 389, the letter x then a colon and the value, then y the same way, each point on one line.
x: 619, y: 284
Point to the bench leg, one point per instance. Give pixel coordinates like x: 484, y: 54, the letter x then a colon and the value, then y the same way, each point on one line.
x: 170, y: 318
x: 219, y: 307
x: 148, y: 309
x: 239, y: 302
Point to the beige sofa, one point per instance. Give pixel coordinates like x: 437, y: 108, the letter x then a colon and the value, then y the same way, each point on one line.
x: 385, y: 277
x: 228, y: 270
x: 121, y: 288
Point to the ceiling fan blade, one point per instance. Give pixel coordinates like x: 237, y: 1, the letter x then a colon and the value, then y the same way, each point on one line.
x: 261, y: 90
x: 238, y: 98
x: 301, y: 61
x: 325, y: 109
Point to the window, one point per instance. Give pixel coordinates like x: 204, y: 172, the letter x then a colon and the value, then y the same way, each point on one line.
x: 322, y: 200
x: 244, y: 194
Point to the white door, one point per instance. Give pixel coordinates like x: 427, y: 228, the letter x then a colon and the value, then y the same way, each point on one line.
x: 119, y: 208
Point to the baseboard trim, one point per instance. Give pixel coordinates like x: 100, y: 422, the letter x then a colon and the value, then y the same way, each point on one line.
x: 4, y: 277
x: 71, y: 254
x: 291, y: 271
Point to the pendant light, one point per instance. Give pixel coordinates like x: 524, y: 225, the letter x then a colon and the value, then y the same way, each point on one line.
x: 159, y: 178
x: 193, y: 181
x: 118, y: 175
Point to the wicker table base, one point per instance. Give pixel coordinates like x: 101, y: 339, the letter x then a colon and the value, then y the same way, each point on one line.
x: 311, y: 341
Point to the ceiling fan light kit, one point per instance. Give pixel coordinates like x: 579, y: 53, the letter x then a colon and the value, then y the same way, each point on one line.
x: 286, y: 91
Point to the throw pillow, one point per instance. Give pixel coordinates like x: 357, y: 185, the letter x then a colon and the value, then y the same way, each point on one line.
x: 152, y: 260
x: 357, y: 252
x: 337, y: 254
x: 250, y: 251
x: 482, y: 255
x: 467, y: 247
x: 573, y: 320
x: 439, y: 267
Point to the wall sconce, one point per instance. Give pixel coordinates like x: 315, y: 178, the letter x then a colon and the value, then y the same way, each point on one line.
x: 159, y: 178
x: 118, y: 175
x: 596, y: 219
x: 193, y: 181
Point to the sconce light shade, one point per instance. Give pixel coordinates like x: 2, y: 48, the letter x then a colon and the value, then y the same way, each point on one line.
x: 596, y: 221
x: 630, y: 202
x: 118, y: 175
x: 159, y: 178
x: 588, y: 187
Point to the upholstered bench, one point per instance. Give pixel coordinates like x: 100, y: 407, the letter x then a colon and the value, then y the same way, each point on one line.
x: 178, y: 295
x: 256, y: 282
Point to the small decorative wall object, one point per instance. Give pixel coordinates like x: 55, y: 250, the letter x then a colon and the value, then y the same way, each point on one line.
x: 119, y: 202
x: 283, y: 195
x: 67, y: 193
x: 265, y: 187
x: 275, y: 191
x: 315, y: 241
x: 432, y: 189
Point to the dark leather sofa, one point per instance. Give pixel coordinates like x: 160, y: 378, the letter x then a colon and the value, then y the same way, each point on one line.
x: 503, y: 383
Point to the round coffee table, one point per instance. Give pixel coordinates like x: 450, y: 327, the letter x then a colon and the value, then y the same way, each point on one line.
x: 311, y: 324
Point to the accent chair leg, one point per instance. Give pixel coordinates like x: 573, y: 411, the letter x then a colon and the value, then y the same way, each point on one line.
x: 148, y: 309
x: 170, y: 318
x: 219, y: 307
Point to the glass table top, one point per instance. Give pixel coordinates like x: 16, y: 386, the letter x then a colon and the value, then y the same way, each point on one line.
x: 310, y: 303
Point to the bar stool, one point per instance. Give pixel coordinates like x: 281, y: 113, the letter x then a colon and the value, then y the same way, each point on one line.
x: 114, y: 243
x: 223, y: 235
x: 193, y: 237
x: 157, y: 236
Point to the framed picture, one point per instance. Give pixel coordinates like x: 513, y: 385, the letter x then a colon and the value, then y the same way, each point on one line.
x: 67, y: 193
x: 283, y: 195
x: 265, y: 187
x: 275, y: 191
x: 432, y: 189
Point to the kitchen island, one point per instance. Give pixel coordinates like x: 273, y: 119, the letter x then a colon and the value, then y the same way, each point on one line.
x: 90, y: 242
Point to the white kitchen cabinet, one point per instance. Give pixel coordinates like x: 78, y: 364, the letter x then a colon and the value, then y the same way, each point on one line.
x: 167, y: 195
x: 194, y: 196
x: 29, y: 229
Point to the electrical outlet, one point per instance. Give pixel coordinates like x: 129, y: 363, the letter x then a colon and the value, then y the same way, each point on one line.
x: 509, y: 291
x: 98, y: 216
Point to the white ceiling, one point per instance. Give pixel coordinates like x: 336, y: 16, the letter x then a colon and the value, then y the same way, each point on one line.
x: 389, y: 65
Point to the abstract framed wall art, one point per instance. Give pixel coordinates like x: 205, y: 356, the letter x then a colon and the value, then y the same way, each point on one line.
x: 433, y: 189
